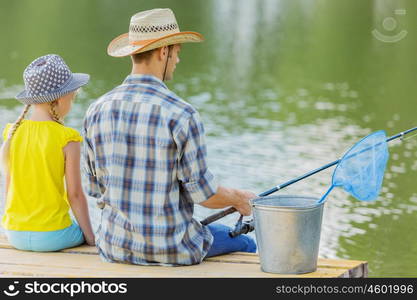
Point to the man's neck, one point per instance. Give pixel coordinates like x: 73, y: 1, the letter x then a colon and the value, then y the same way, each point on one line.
x: 146, y: 70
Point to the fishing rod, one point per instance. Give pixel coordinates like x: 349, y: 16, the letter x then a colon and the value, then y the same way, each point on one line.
x: 245, y: 227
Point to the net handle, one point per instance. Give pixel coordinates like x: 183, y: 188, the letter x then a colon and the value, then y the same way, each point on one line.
x: 223, y: 213
x: 327, y: 193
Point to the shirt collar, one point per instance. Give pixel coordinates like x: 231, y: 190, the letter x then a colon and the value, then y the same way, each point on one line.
x: 144, y: 78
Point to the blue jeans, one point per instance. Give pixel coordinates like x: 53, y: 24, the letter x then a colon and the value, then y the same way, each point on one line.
x: 45, y: 241
x: 223, y: 243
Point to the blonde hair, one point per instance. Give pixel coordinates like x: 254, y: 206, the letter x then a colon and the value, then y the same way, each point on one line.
x: 53, y: 112
x: 5, y: 148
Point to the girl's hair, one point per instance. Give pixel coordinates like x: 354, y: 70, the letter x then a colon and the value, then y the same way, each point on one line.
x: 53, y: 112
x: 5, y: 148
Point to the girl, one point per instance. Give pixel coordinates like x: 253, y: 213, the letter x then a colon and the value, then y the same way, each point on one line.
x: 37, y: 154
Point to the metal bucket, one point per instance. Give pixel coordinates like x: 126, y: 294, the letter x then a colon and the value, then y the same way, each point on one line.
x: 288, y: 231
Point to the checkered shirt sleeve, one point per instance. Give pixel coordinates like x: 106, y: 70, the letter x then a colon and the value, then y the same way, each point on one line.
x: 198, y: 182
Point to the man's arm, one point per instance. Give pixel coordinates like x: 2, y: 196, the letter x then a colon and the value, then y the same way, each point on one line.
x: 198, y: 182
x: 93, y: 188
x: 224, y: 197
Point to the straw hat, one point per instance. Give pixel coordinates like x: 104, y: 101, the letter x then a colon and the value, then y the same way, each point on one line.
x: 47, y: 78
x: 149, y: 30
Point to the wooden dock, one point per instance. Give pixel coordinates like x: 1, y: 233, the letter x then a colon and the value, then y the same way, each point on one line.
x: 84, y: 261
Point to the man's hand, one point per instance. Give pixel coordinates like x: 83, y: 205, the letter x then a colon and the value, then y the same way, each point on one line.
x: 242, y: 203
x: 224, y: 197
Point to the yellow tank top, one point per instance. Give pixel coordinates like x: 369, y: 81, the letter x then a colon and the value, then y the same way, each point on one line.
x: 37, y: 198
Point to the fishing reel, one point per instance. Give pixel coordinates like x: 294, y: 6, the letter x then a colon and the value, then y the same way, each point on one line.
x: 242, y: 227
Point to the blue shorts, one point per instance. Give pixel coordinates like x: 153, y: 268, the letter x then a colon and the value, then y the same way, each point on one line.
x: 223, y: 243
x: 45, y: 241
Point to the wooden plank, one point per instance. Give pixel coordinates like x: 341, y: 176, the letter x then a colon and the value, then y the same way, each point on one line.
x: 242, y: 257
x: 43, y: 271
x: 87, y: 263
x: 84, y: 265
x: 4, y: 243
x: 236, y: 257
x: 354, y: 268
x: 84, y: 249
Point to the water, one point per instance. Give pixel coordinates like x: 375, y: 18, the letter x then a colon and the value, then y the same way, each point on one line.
x: 283, y: 87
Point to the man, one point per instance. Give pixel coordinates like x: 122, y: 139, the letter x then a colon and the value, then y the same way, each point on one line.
x: 145, y: 158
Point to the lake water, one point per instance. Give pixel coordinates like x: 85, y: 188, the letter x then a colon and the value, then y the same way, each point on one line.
x: 282, y: 86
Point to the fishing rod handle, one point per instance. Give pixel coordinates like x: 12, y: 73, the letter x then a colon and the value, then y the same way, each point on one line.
x: 223, y: 213
x: 219, y: 215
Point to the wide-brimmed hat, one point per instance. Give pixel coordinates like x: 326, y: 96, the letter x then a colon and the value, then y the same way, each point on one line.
x: 48, y: 78
x: 149, y: 30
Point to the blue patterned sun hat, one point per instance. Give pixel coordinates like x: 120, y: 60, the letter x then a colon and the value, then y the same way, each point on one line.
x: 48, y: 78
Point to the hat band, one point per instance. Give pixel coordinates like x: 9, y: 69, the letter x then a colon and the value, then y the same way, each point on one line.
x: 152, y: 28
x: 141, y: 42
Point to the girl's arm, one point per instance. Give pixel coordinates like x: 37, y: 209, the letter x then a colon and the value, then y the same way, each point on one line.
x: 75, y: 193
x: 7, y: 185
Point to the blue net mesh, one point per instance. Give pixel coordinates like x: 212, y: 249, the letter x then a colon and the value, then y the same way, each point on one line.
x: 361, y: 170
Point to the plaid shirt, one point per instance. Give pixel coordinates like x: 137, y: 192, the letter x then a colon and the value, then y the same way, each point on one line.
x: 145, y: 158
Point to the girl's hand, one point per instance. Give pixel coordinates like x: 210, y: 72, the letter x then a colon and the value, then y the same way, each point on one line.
x: 90, y: 241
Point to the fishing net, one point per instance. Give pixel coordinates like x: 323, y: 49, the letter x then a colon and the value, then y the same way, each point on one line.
x: 360, y: 171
